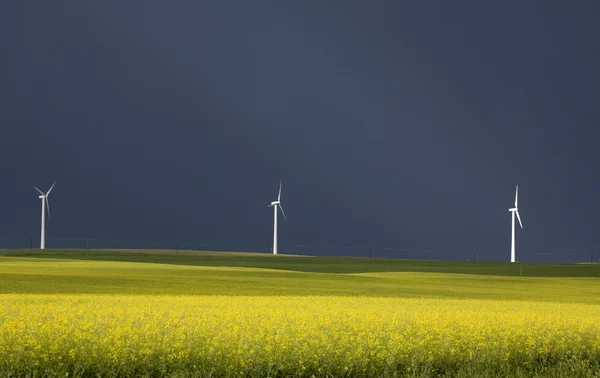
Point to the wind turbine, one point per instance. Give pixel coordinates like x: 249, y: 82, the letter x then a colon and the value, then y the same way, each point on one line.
x: 275, y: 205
x: 515, y: 212
x: 45, y: 206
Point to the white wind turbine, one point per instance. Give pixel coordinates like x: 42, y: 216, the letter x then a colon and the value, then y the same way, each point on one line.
x: 515, y: 212
x: 275, y: 205
x: 45, y: 204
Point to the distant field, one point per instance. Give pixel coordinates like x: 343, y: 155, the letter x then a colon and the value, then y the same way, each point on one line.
x: 225, y: 274
x: 124, y: 313
x: 314, y: 264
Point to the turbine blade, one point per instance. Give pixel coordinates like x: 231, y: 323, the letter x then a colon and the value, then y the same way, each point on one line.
x: 282, y: 212
x: 517, y: 197
x: 52, y: 187
x: 48, y: 207
x: 42, y: 193
x: 519, y: 218
x: 279, y: 195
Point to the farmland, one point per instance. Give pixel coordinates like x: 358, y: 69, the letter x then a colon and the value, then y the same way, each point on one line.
x: 117, y: 313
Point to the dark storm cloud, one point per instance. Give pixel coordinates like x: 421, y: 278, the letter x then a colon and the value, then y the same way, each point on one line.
x: 395, y: 124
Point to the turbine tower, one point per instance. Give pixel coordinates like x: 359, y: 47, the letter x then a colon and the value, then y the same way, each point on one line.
x: 45, y: 206
x: 515, y: 212
x: 275, y: 205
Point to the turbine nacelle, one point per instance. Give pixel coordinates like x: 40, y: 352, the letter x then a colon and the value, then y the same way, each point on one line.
x: 275, y: 203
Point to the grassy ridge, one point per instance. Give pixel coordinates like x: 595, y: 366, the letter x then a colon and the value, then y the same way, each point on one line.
x: 314, y: 264
x: 221, y: 274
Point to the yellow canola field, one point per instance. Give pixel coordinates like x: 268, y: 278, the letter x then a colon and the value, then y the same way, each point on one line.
x: 240, y: 335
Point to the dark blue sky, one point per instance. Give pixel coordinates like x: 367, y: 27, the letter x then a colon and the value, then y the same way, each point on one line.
x: 404, y: 124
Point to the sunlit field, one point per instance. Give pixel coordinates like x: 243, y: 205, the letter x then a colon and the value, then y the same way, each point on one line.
x: 164, y: 321
x: 254, y: 336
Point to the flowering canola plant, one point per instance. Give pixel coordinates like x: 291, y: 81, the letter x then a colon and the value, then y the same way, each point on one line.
x: 119, y: 335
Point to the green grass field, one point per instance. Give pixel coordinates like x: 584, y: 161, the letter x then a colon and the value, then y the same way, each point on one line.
x: 171, y: 274
x: 222, y: 273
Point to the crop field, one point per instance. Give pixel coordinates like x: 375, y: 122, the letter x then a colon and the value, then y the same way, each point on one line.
x: 115, y: 313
